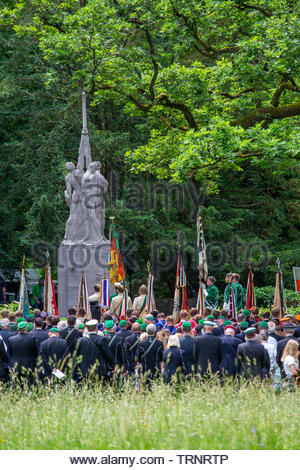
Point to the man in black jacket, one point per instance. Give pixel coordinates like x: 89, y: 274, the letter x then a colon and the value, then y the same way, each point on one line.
x: 70, y: 334
x: 150, y: 353
x: 38, y: 333
x: 187, y: 345
x: 23, y: 351
x: 123, y: 331
x: 115, y: 344
x: 4, y: 375
x: 207, y: 351
x: 130, y: 347
x: 94, y: 357
x: 54, y: 352
x: 251, y: 356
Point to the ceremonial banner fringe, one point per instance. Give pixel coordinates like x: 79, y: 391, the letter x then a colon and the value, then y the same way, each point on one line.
x: 49, y: 295
x: 83, y: 296
x: 250, y: 294
x: 123, y: 311
x: 23, y: 296
x: 150, y: 296
x: 180, y: 294
x: 279, y: 296
x: 116, y: 268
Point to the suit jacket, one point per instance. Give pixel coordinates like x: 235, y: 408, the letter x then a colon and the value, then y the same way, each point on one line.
x: 187, y: 345
x: 54, y: 352
x: 94, y: 355
x: 5, y: 334
x: 207, y: 350
x: 130, y: 348
x: 174, y: 361
x: 23, y: 351
x: 240, y: 336
x: 71, y: 335
x: 116, y: 346
x: 229, y: 348
x: 280, y: 347
x: 150, y: 359
x: 218, y: 330
x: 3, y: 359
x: 123, y: 333
x: 251, y: 359
x: 296, y: 333
x: 39, y: 335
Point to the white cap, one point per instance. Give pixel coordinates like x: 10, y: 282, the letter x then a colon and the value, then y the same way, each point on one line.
x: 92, y: 322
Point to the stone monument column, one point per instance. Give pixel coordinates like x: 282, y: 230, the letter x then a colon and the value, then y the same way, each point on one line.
x: 84, y: 245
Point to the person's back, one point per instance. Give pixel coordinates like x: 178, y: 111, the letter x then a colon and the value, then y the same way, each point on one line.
x: 187, y: 345
x: 150, y: 353
x: 229, y: 346
x: 23, y: 351
x: 38, y: 333
x: 207, y: 351
x: 94, y: 356
x: 130, y: 347
x: 115, y: 344
x: 54, y: 352
x: 70, y: 334
x: 251, y: 356
x: 174, y: 362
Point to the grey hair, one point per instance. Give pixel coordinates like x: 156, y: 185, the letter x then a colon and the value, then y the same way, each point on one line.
x: 151, y: 329
x: 61, y: 325
x: 4, y: 323
x: 173, y: 341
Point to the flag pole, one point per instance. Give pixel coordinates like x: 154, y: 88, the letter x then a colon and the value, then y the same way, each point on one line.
x: 46, y: 281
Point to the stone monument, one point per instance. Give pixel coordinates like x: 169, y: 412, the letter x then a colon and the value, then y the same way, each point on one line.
x: 84, y: 245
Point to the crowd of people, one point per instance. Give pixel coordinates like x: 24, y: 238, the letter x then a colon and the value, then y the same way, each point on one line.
x: 147, y: 345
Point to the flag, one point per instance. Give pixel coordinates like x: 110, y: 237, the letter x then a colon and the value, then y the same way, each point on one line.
x: 104, y: 293
x: 279, y: 296
x: 250, y: 294
x: 180, y: 294
x: 123, y: 311
x: 23, y: 297
x: 83, y: 296
x: 150, y: 296
x: 49, y: 295
x: 202, y: 266
x: 232, y: 303
x: 116, y: 268
x: 296, y: 272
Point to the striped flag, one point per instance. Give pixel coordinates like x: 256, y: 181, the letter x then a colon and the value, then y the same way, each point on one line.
x: 49, y: 295
x: 279, y: 296
x: 250, y: 294
x: 116, y: 268
x: 23, y: 297
x: 150, y: 296
x: 83, y: 296
x: 180, y: 294
x: 104, y: 293
x: 202, y: 266
x: 296, y: 272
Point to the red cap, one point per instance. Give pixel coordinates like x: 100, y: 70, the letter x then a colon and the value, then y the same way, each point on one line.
x: 230, y: 326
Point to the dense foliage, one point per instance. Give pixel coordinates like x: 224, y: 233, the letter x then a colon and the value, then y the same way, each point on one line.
x: 202, y: 93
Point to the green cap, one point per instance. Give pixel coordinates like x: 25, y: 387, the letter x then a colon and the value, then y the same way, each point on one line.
x: 186, y: 324
x: 221, y: 317
x: 201, y: 321
x: 246, y: 312
x: 53, y: 329
x: 227, y: 322
x: 123, y: 323
x: 263, y: 324
x: 139, y: 320
x: 30, y: 326
x: 143, y: 326
x: 150, y: 318
x: 19, y: 319
x: 31, y: 315
x: 243, y: 325
x: 211, y: 317
x: 13, y: 326
x: 81, y: 326
x: 22, y: 325
x: 109, y: 324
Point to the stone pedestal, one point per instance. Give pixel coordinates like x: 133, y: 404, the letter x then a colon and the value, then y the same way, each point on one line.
x: 71, y: 260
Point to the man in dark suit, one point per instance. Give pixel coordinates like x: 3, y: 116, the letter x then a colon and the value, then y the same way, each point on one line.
x: 229, y: 351
x: 94, y: 357
x: 130, y: 347
x: 241, y: 335
x: 251, y: 356
x: 115, y: 344
x: 38, y: 333
x: 288, y: 335
x: 54, y: 352
x: 70, y: 334
x: 123, y: 331
x: 23, y: 351
x: 150, y: 353
x: 187, y: 345
x: 4, y: 375
x: 207, y: 351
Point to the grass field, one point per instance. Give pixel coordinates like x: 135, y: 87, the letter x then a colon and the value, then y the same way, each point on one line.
x: 197, y: 417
